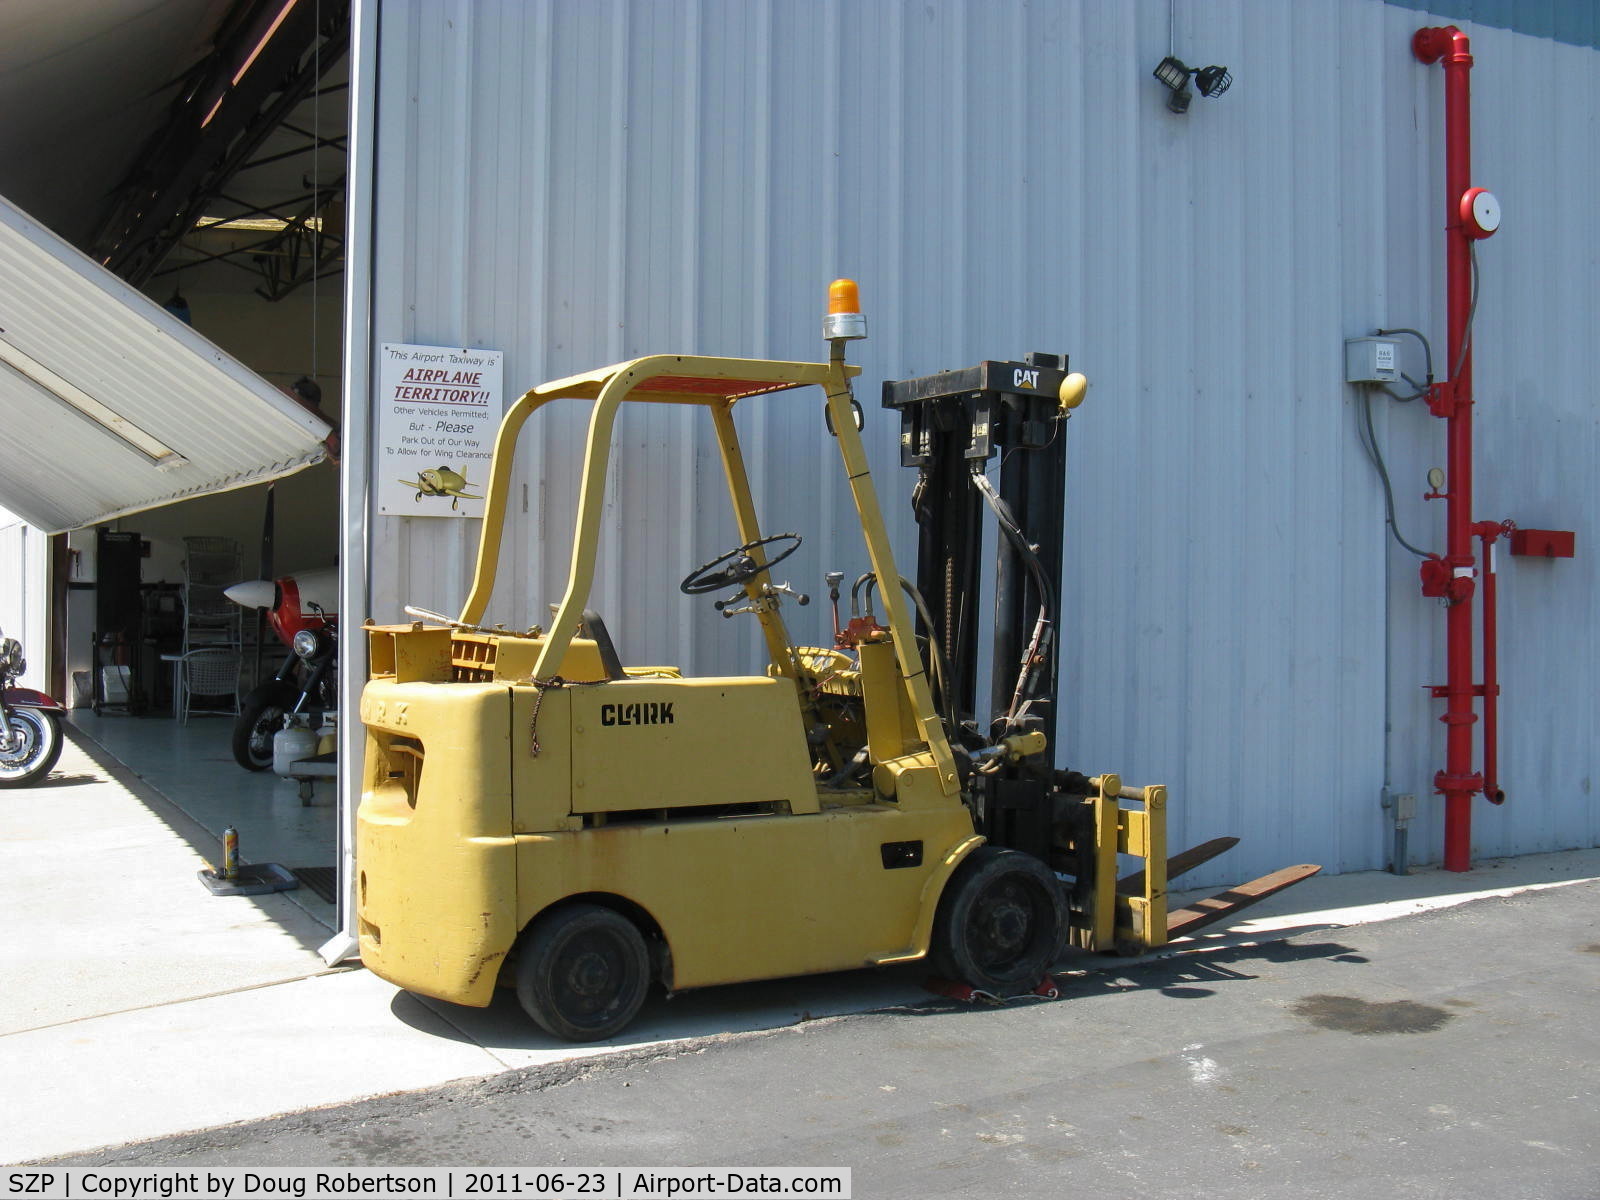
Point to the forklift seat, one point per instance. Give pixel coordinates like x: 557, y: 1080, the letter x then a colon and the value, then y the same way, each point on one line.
x: 595, y: 629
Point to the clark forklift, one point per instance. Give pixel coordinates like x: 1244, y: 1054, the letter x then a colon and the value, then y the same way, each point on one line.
x: 537, y: 814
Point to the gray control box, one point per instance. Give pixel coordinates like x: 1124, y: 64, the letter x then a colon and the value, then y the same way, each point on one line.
x: 1371, y: 360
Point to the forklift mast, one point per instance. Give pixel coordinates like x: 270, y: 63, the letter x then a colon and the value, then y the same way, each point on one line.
x: 953, y: 426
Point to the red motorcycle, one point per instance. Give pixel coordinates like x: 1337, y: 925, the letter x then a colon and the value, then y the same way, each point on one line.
x: 301, y: 611
x: 30, y: 723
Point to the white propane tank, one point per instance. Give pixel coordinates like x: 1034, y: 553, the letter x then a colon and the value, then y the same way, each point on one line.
x: 294, y: 741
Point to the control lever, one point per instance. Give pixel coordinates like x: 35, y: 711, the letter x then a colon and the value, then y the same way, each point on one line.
x: 768, y: 598
x: 783, y: 589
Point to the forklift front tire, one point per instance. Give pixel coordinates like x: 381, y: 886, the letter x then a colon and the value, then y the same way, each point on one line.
x: 582, y: 972
x: 1000, y: 923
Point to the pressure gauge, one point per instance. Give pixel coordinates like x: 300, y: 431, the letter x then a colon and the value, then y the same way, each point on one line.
x: 1480, y: 212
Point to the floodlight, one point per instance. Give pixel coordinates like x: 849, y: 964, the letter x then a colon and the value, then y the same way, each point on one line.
x: 1174, y: 74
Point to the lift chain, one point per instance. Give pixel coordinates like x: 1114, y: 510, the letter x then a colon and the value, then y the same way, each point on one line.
x: 539, y: 687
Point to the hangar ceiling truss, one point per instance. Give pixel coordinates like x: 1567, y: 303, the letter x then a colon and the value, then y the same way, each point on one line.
x: 239, y: 174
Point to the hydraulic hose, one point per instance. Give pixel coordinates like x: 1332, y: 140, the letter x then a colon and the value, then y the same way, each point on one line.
x: 1039, y: 643
x: 938, y: 662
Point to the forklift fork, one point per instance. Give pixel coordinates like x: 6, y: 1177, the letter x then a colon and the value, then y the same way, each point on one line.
x: 1184, y: 921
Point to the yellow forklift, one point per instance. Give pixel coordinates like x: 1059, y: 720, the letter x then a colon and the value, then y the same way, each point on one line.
x: 537, y: 814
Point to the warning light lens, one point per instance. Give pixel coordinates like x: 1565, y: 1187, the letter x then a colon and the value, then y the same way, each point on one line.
x: 843, y: 297
x: 844, y: 321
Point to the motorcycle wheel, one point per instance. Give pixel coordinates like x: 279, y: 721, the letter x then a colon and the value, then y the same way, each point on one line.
x: 260, y: 717
x: 35, y: 753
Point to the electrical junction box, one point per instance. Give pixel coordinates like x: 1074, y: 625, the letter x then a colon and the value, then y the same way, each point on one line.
x: 1371, y: 360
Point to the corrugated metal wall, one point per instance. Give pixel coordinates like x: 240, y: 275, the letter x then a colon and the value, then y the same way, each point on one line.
x: 580, y: 182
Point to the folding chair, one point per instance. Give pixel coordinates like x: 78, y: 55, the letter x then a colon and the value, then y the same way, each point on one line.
x: 213, y: 672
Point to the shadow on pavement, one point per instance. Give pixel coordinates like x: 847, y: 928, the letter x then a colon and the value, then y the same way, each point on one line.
x: 1182, y: 977
x: 772, y: 1004
x: 703, y: 1012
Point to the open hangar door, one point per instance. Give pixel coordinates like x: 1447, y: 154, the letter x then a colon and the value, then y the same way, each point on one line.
x: 195, y: 151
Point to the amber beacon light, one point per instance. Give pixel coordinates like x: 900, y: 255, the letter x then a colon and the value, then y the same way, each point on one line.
x: 844, y: 321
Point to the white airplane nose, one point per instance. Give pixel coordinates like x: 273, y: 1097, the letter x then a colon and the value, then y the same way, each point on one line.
x: 253, y: 593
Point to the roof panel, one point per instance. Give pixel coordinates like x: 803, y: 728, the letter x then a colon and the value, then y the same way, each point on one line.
x: 112, y: 404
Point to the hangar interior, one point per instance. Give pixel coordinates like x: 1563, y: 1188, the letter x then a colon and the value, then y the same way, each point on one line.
x: 196, y: 149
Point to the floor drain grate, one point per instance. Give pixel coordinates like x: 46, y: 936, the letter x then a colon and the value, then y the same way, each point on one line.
x: 324, y: 881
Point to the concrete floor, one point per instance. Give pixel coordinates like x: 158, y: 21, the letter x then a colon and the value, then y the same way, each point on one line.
x: 106, y: 915
x: 193, y: 767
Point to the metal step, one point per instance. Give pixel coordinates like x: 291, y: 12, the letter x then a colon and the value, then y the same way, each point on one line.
x: 1184, y: 921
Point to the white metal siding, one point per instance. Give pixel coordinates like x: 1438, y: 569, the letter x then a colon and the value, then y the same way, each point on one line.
x: 580, y: 182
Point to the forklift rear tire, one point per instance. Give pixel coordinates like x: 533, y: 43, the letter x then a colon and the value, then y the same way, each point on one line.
x: 1000, y: 923
x: 582, y: 972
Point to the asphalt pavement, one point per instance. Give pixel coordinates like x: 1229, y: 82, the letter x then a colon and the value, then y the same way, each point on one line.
x: 1355, y: 1028
x: 1451, y: 1054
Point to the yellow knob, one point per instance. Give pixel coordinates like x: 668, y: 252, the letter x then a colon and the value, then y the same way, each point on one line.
x: 1072, y: 389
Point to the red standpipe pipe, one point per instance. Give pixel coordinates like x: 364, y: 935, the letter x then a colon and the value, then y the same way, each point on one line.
x: 1458, y: 783
x: 1487, y: 532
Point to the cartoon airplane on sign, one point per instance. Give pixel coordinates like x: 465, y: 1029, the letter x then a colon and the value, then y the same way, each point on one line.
x: 442, y: 481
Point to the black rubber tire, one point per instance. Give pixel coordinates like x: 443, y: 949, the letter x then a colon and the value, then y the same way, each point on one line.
x: 34, y: 758
x: 1000, y: 922
x: 582, y: 972
x: 260, y: 717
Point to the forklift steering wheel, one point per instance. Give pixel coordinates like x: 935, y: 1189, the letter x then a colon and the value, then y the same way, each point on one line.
x: 736, y: 566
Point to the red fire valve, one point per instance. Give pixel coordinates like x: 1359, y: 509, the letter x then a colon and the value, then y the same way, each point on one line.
x: 1442, y: 582
x: 1435, y: 578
